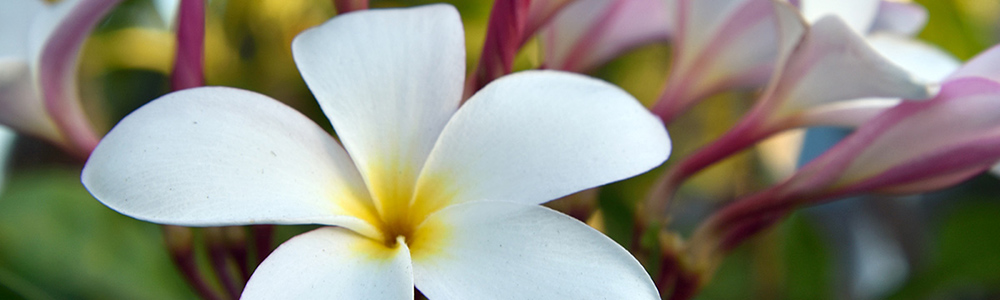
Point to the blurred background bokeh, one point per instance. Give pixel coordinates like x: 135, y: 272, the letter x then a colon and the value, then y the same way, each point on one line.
x: 57, y: 242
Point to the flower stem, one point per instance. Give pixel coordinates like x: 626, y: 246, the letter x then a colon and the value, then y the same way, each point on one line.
x: 262, y: 235
x: 218, y: 255
x: 503, y: 38
x: 346, y: 6
x: 189, y: 63
x: 179, y: 242
x: 236, y: 244
x: 745, y: 134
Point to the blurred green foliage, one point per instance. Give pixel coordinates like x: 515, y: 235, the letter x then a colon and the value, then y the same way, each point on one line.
x: 59, y: 243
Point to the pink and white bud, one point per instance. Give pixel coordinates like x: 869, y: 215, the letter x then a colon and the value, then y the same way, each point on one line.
x: 905, y: 18
x: 829, y: 64
x: 21, y: 106
x: 914, y: 147
x: 917, y: 146
x: 40, y: 90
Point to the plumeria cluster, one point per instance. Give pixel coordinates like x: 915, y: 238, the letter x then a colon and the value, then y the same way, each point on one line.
x: 434, y: 180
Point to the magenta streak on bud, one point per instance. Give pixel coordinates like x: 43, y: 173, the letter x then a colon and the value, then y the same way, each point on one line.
x: 346, y: 6
x: 889, y: 154
x: 574, y: 61
x: 688, y: 82
x: 57, y: 73
x: 503, y: 38
x: 189, y: 63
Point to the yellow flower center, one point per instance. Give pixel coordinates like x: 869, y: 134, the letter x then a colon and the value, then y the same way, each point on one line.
x: 402, y: 205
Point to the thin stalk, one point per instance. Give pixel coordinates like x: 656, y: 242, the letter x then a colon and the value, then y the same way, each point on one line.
x: 179, y: 241
x: 262, y: 236
x: 346, y: 6
x: 218, y: 255
x: 189, y: 63
x: 236, y: 244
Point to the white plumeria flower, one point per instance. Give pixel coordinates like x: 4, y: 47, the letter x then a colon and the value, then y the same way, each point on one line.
x: 426, y: 194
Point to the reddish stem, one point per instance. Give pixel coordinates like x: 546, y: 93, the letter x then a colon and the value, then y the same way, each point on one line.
x: 262, y: 235
x: 190, y: 60
x: 503, y: 38
x: 745, y: 134
x: 236, y: 244
x: 179, y: 243
x: 218, y: 255
x: 346, y: 6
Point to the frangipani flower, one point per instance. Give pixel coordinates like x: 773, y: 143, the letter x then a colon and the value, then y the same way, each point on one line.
x: 588, y: 33
x: 869, y: 16
x: 426, y: 194
x: 885, y: 27
x: 830, y: 63
x: 820, y: 66
x: 920, y: 146
x: 914, y: 147
x: 734, y: 44
x: 39, y: 47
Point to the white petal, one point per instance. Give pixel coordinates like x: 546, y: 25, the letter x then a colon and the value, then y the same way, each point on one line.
x: 333, y: 263
x: 21, y: 106
x: 7, y: 138
x: 220, y: 156
x: 834, y: 63
x: 850, y: 113
x: 167, y: 9
x: 985, y: 64
x: 858, y: 14
x: 906, y: 18
x: 502, y: 250
x: 538, y: 135
x: 925, y: 62
x: 388, y: 80
x: 48, y: 20
x: 16, y: 18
